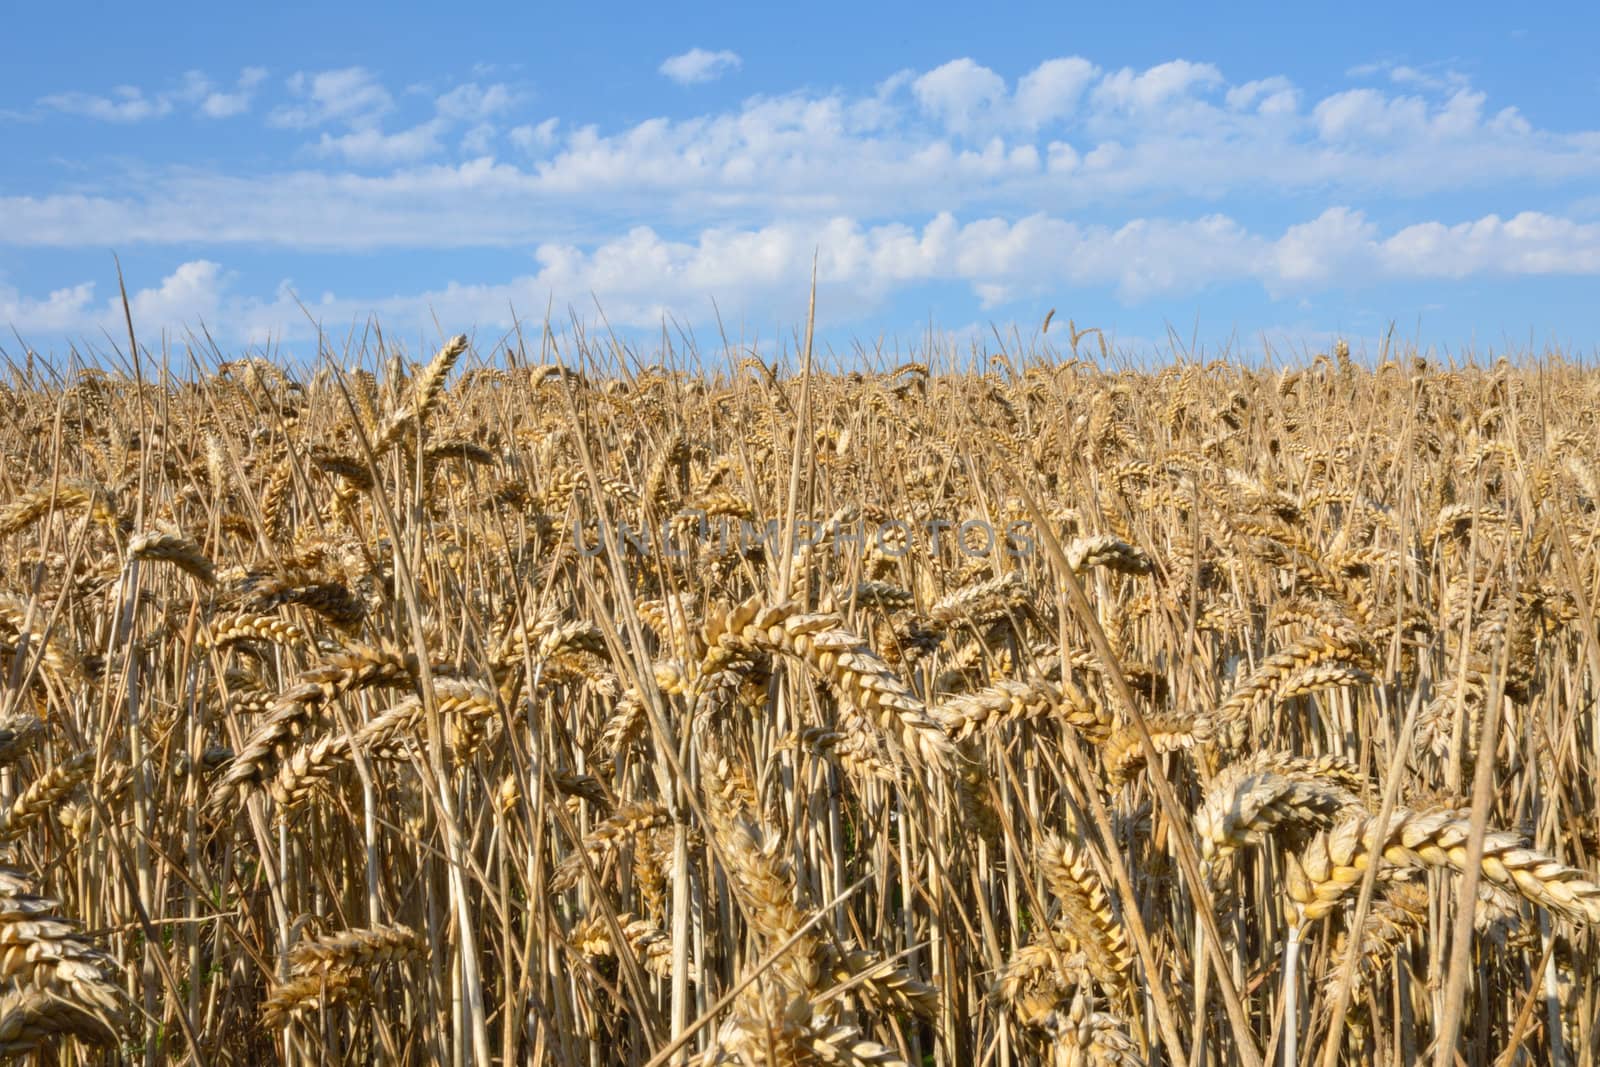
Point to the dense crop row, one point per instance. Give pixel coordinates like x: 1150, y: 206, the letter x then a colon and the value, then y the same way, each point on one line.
x: 1035, y: 711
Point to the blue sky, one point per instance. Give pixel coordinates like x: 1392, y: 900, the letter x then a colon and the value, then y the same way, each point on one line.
x: 1159, y: 173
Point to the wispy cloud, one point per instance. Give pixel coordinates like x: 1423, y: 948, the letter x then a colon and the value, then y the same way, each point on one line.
x: 1434, y: 77
x: 125, y: 103
x: 356, y: 101
x: 370, y: 146
x: 129, y: 103
x: 472, y: 102
x: 351, y: 95
x: 534, y: 138
x: 219, y: 104
x: 698, y: 65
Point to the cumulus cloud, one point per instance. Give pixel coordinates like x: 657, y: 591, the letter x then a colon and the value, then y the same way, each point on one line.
x: 190, y: 293
x: 961, y: 93
x: 968, y: 98
x: 808, y: 156
x: 1274, y: 95
x: 1061, y: 137
x: 1051, y: 91
x: 1334, y: 243
x: 1369, y: 115
x: 1528, y: 243
x: 642, y: 275
x: 62, y: 311
x: 1127, y: 181
x: 762, y: 273
x: 1131, y: 90
x: 699, y: 65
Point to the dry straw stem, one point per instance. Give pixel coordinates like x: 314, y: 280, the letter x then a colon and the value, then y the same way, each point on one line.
x: 916, y: 723
x: 1080, y: 606
x: 1400, y: 916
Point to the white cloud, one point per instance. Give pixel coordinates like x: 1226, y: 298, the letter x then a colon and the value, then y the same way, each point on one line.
x: 368, y: 145
x: 62, y: 311
x: 128, y: 104
x: 479, y: 140
x: 1011, y: 190
x: 125, y: 104
x: 1404, y: 75
x: 1369, y: 115
x: 354, y: 98
x: 761, y: 274
x: 960, y: 93
x: 1064, y: 139
x: 215, y: 104
x: 1147, y: 90
x: 1274, y: 95
x: 351, y: 95
x: 1528, y: 243
x: 642, y: 275
x: 699, y: 65
x: 189, y: 294
x: 1051, y: 91
x: 472, y: 102
x: 533, y: 139
x: 1329, y: 245
x: 1434, y: 77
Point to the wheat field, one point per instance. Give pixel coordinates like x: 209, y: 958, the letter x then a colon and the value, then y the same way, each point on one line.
x: 527, y: 705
